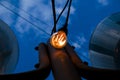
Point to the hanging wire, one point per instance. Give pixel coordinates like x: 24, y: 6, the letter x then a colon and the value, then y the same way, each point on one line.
x: 68, y: 14
x: 62, y: 11
x: 24, y: 18
x: 64, y: 28
x: 54, y: 28
x: 54, y: 16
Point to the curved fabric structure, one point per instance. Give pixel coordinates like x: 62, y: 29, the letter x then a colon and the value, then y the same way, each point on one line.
x: 9, y: 51
x: 105, y: 43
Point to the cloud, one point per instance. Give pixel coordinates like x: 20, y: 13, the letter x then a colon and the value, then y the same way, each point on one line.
x: 60, y: 2
x: 80, y: 40
x: 103, y: 2
x: 5, y: 14
x: 33, y: 13
x: 38, y: 9
x: 76, y: 45
x: 72, y: 10
x: 59, y: 6
x: 21, y: 26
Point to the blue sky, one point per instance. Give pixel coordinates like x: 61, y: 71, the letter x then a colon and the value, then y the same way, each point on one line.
x: 35, y: 15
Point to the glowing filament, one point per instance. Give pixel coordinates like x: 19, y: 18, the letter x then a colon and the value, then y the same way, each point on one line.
x: 58, y: 39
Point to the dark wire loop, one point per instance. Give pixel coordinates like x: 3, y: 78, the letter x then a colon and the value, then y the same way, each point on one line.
x: 62, y: 11
x: 54, y: 16
x: 64, y: 28
x: 68, y: 14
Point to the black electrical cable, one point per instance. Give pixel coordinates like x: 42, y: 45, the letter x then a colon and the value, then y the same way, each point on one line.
x: 64, y: 28
x: 68, y: 12
x: 54, y: 16
x: 54, y: 28
x: 62, y: 11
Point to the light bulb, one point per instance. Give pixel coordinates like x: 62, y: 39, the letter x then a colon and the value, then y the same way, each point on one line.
x: 58, y: 39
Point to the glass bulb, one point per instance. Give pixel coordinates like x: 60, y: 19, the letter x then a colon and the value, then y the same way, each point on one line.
x: 58, y: 39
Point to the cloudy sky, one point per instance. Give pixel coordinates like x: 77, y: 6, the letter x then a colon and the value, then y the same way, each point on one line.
x: 32, y: 22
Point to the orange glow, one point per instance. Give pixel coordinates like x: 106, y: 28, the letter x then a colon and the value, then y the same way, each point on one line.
x: 58, y: 39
